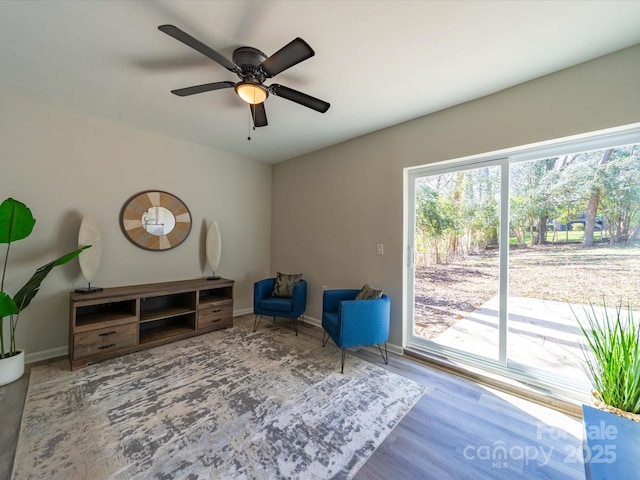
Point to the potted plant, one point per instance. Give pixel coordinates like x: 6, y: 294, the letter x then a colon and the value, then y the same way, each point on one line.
x: 612, y: 422
x: 16, y: 223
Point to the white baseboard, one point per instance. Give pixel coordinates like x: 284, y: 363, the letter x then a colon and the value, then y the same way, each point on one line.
x: 312, y: 321
x: 46, y: 354
x: 64, y: 351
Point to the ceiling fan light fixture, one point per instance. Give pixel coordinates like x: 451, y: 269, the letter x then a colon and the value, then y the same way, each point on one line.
x: 252, y: 93
x: 252, y: 67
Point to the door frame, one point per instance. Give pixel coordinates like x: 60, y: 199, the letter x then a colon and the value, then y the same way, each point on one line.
x: 609, y: 138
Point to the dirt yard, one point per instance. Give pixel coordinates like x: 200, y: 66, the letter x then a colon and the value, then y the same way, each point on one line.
x: 565, y: 273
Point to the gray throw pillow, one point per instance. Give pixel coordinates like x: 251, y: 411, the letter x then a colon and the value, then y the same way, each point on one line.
x: 368, y: 292
x: 285, y: 283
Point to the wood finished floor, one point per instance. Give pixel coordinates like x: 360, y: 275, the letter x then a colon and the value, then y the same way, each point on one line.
x: 458, y: 430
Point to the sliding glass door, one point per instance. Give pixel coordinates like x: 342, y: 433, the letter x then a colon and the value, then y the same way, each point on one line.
x: 505, y: 255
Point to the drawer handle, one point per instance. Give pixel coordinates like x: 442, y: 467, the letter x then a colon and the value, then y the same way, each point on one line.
x: 106, y: 334
x: 107, y: 346
x: 216, y: 311
x: 216, y: 320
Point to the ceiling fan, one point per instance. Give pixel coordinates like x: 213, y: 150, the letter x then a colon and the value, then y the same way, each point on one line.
x: 253, y: 68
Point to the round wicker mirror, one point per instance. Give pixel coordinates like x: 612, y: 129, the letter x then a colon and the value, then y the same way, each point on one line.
x: 155, y: 220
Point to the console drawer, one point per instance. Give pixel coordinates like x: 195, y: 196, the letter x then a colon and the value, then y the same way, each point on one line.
x: 105, y: 339
x: 215, y: 317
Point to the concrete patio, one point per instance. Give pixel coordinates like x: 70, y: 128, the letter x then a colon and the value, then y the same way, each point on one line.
x: 543, y: 334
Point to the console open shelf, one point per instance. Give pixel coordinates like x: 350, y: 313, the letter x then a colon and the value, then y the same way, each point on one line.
x: 166, y: 313
x: 120, y: 320
x: 159, y: 330
x: 215, y: 296
x: 111, y: 313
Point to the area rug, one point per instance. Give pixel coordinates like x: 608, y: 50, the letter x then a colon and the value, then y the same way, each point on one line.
x: 230, y: 404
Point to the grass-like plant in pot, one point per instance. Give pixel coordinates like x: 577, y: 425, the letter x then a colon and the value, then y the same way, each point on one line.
x: 16, y: 223
x: 612, y: 358
x: 611, y: 422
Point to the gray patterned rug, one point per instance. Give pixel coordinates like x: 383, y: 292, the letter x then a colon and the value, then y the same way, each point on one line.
x: 231, y: 404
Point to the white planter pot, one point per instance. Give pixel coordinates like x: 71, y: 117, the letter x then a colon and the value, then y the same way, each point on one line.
x: 11, y: 368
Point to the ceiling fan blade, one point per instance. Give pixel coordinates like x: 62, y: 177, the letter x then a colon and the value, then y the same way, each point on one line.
x: 188, y: 40
x: 291, y: 54
x: 299, y: 97
x: 207, y: 87
x: 259, y: 115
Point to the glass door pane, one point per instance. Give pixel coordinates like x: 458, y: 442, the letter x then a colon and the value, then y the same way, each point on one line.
x: 456, y: 261
x: 574, y: 226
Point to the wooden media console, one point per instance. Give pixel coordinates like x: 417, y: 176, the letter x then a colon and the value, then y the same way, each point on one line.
x: 120, y: 320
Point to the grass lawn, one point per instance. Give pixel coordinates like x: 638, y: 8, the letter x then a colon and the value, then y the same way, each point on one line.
x: 560, y: 272
x: 572, y: 236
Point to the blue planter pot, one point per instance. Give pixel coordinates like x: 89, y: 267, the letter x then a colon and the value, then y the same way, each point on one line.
x: 611, y: 447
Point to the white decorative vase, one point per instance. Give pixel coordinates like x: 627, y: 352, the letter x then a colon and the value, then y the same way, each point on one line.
x: 90, y: 259
x: 11, y: 368
x: 213, y: 248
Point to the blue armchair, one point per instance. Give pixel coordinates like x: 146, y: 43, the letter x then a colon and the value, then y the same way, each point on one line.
x: 266, y: 304
x: 353, y: 323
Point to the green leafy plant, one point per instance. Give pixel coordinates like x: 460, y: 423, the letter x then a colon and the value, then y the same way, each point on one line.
x: 612, y: 356
x: 16, y: 223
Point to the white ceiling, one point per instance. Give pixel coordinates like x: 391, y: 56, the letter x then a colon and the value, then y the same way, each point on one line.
x: 378, y: 63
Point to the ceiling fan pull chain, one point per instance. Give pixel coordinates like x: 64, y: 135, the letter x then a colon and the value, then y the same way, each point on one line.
x: 249, y: 124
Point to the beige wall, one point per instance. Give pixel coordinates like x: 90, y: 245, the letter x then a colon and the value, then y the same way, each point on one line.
x: 321, y: 214
x: 330, y: 208
x: 64, y: 164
